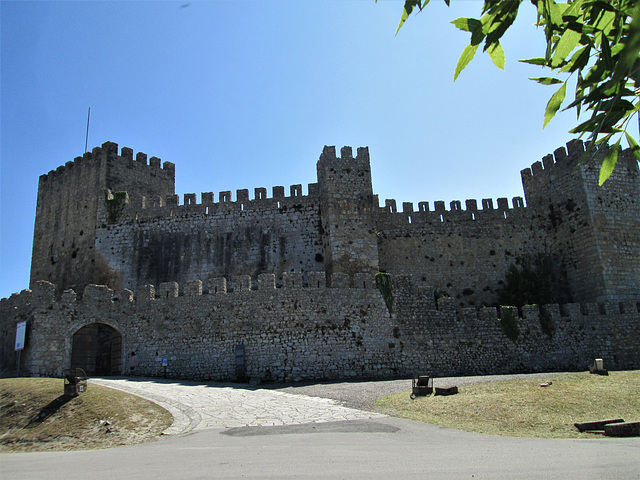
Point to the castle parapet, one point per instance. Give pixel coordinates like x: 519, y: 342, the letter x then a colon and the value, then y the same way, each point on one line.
x: 389, y: 217
x: 193, y: 288
x: 109, y: 150
x: 168, y: 290
x: 43, y: 293
x: 292, y: 279
x: 364, y: 280
x: 339, y: 280
x: 346, y: 154
x: 317, y: 279
x: 564, y: 159
x: 97, y: 294
x: 266, y: 281
x: 158, y: 207
x: 69, y: 297
x: 242, y: 283
x: 412, y: 301
x: 146, y: 293
x: 218, y: 285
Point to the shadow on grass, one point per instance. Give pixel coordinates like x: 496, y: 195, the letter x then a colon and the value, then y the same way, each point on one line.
x: 51, y: 408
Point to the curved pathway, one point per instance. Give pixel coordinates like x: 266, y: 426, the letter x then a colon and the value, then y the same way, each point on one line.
x: 200, y: 406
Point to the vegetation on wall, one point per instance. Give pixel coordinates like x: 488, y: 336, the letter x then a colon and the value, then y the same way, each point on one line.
x: 546, y: 322
x: 104, y: 274
x: 115, y: 203
x: 532, y: 283
x: 383, y: 282
x: 509, y: 323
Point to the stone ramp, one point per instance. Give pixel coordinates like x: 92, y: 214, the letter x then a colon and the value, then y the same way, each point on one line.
x: 199, y: 406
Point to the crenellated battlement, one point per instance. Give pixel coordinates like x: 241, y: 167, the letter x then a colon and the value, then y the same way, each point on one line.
x: 346, y: 155
x: 156, y: 207
x: 406, y: 290
x: 455, y: 212
x: 109, y: 150
x: 565, y: 159
x: 299, y: 328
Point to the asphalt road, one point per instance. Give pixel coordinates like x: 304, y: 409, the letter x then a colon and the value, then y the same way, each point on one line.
x: 355, y: 444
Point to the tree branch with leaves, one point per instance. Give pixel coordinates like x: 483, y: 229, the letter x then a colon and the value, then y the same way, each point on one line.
x: 592, y: 43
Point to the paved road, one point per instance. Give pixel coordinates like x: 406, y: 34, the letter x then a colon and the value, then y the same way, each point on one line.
x: 229, y: 432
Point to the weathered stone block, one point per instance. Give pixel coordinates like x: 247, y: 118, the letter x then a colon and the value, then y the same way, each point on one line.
x: 193, y: 288
x: 266, y: 281
x: 168, y: 290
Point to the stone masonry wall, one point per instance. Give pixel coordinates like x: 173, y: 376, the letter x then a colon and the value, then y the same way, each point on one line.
x: 72, y: 204
x: 297, y: 333
x: 208, y: 240
x: 591, y: 233
x: 595, y: 230
x: 462, y: 253
x: 283, y: 285
x: 347, y: 208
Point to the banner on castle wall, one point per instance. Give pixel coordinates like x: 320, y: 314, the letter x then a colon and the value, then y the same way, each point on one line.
x: 21, y: 330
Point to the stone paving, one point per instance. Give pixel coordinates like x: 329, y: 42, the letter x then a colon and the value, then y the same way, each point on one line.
x: 199, y: 406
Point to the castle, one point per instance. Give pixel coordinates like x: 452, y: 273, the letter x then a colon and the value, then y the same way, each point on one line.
x: 281, y: 287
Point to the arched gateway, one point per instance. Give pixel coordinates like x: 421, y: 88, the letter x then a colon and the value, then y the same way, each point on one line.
x: 97, y: 349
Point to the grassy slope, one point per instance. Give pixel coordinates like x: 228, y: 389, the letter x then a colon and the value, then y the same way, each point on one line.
x: 521, y: 408
x: 100, y: 418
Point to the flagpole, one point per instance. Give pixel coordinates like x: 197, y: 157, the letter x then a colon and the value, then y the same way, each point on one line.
x: 86, y: 140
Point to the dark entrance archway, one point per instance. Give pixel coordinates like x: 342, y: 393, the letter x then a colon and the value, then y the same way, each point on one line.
x: 97, y: 349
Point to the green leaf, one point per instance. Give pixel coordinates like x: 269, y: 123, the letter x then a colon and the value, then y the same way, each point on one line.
x: 631, y: 51
x: 605, y: 54
x: 409, y: 5
x: 578, y: 61
x: 497, y: 55
x: 501, y: 14
x: 555, y: 12
x: 466, y: 56
x: 606, y: 20
x: 633, y: 145
x: 609, y: 163
x: 554, y: 104
x: 574, y: 9
x: 546, y: 80
x: 535, y: 61
x: 567, y: 43
x: 466, y: 24
x: 591, y: 125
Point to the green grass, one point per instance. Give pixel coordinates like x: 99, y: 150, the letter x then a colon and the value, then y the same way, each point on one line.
x: 521, y: 408
x: 99, y: 418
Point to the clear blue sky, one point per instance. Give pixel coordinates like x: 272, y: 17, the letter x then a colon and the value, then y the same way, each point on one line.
x: 245, y: 94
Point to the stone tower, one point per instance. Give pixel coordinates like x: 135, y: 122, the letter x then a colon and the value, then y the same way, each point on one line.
x: 347, y: 212
x: 77, y: 198
x: 593, y: 230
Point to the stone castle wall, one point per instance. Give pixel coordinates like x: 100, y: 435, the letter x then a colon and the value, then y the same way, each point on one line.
x: 594, y: 230
x: 464, y: 253
x: 72, y: 206
x: 591, y: 233
x: 208, y: 240
x: 300, y: 332
x: 283, y: 285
